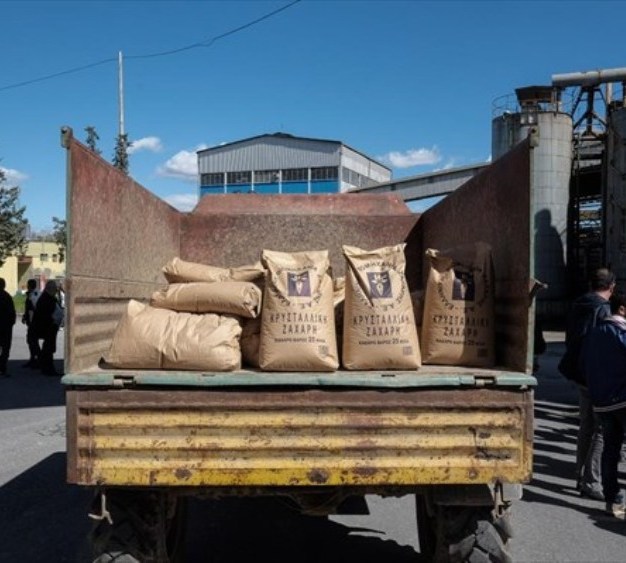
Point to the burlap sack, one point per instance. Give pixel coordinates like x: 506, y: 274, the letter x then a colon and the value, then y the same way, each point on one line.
x: 250, y: 341
x: 379, y: 324
x: 458, y: 322
x: 298, y: 326
x: 180, y: 271
x: 230, y: 298
x: 150, y: 338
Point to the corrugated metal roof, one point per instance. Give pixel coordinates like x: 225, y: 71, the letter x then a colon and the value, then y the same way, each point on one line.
x: 286, y: 136
x: 427, y: 185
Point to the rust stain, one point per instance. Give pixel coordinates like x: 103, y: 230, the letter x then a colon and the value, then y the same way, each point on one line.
x: 318, y: 476
x: 365, y: 471
x: 483, y: 453
x: 182, y: 474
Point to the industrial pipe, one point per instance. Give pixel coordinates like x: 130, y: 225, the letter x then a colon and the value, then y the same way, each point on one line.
x: 589, y: 78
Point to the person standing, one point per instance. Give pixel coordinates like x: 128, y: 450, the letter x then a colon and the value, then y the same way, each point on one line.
x: 61, y: 299
x: 586, y: 312
x: 603, y: 360
x: 32, y: 296
x: 7, y: 320
x: 46, y: 322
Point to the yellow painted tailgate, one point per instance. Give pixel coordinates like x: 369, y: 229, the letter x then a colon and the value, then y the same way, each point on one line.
x: 300, y: 437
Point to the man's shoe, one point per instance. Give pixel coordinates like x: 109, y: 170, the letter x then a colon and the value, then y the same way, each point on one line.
x: 616, y: 509
x: 31, y: 364
x: 591, y: 492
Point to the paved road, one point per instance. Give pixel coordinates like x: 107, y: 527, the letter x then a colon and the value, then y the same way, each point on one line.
x: 43, y: 519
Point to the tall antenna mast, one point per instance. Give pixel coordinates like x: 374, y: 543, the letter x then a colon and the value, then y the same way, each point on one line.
x: 121, y: 91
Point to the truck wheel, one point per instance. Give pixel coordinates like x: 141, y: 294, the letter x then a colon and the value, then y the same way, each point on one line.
x: 472, y: 534
x: 148, y: 527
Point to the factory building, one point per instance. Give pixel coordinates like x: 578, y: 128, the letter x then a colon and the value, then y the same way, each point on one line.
x: 579, y: 178
x: 284, y: 164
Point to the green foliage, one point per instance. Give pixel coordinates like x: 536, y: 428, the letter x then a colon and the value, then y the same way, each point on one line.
x: 120, y: 156
x: 12, y: 221
x: 59, y: 233
x: 92, y: 139
x: 19, y: 300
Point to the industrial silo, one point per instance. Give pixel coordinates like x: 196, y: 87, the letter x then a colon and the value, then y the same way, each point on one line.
x: 615, y: 195
x: 535, y: 106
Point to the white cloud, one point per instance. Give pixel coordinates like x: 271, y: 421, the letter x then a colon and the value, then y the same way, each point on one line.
x: 12, y: 176
x: 183, y: 165
x: 411, y: 157
x: 152, y: 144
x: 447, y: 166
x: 183, y: 202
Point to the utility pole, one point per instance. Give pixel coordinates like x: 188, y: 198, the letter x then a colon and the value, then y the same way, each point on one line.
x: 120, y: 157
x: 120, y: 67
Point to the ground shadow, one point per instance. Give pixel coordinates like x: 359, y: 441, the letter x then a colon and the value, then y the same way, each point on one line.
x: 269, y: 529
x: 42, y: 518
x: 28, y: 388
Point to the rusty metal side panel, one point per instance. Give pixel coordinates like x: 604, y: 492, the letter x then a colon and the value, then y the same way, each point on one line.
x: 120, y: 236
x: 494, y: 207
x: 304, y: 438
x: 232, y: 234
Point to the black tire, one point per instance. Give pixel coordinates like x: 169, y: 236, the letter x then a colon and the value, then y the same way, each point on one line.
x: 176, y: 528
x: 472, y: 534
x: 147, y: 528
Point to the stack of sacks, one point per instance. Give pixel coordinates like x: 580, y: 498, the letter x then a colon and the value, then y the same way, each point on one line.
x: 180, y: 271
x: 211, y: 318
x: 193, y: 324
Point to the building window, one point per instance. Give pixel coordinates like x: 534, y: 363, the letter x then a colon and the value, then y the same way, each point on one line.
x: 266, y: 176
x: 296, y: 175
x: 43, y: 257
x: 325, y: 173
x: 353, y: 178
x: 55, y: 257
x: 239, y: 178
x: 212, y: 179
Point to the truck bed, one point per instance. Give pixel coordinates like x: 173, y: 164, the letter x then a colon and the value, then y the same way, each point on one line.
x: 251, y: 429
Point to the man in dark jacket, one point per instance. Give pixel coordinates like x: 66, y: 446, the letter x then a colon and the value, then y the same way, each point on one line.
x: 46, y: 326
x: 7, y: 320
x: 603, y: 359
x: 587, y: 311
x: 32, y: 296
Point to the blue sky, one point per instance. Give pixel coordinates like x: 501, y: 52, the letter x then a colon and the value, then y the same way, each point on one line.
x: 410, y: 83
